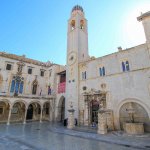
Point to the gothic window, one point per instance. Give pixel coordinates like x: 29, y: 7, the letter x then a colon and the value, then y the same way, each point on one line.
x: 84, y: 75
x: 102, y: 71
x: 125, y: 66
x: 8, y: 67
x: 81, y: 24
x: 34, y: 87
x: 17, y: 85
x: 21, y: 87
x: 72, y: 24
x: 12, y: 86
x: 29, y: 70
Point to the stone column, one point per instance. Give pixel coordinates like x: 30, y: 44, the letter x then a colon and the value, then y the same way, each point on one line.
x: 102, y: 124
x: 41, y: 114
x: 25, y: 115
x: 86, y: 114
x: 9, y: 115
x: 71, y: 118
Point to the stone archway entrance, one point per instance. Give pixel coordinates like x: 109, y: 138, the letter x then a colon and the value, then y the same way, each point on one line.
x: 34, y: 111
x: 92, y: 102
x: 29, y: 112
x: 61, y: 109
x: 140, y: 115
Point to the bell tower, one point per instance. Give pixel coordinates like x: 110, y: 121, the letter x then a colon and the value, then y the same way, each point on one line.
x: 77, y: 51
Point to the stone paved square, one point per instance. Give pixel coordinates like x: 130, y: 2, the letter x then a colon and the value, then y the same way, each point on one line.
x: 46, y: 136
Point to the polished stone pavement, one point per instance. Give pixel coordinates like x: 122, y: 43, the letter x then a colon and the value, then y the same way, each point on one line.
x: 47, y: 136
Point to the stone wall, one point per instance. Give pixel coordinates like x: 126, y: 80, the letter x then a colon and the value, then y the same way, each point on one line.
x: 120, y: 86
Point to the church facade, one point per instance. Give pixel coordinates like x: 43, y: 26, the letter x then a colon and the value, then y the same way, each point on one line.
x: 118, y: 82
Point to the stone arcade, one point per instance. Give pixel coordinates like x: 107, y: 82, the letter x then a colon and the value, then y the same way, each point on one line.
x: 100, y: 90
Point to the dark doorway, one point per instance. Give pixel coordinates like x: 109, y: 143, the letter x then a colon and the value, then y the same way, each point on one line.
x: 30, y: 112
x: 62, y: 110
x: 94, y: 111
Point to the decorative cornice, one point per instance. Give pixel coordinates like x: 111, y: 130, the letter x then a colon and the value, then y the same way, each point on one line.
x: 29, y: 97
x: 26, y: 60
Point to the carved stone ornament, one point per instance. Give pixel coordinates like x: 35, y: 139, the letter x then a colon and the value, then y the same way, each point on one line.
x: 20, y: 66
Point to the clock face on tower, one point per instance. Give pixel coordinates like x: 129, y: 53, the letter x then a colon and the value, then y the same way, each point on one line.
x: 72, y: 58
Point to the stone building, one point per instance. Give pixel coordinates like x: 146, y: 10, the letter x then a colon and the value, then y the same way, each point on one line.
x: 116, y: 82
x: 27, y: 89
x: 33, y: 90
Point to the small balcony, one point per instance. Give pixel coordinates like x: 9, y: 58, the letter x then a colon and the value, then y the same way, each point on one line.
x: 61, y: 87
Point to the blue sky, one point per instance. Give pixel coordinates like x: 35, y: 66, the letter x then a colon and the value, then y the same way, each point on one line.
x: 38, y: 28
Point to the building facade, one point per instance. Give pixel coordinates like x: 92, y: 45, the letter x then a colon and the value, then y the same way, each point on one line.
x: 27, y: 89
x: 118, y: 82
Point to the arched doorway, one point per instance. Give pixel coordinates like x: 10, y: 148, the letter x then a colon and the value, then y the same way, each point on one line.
x: 140, y: 115
x: 18, y: 112
x: 34, y: 111
x: 29, y: 112
x: 4, y: 111
x: 61, y: 109
x: 94, y: 107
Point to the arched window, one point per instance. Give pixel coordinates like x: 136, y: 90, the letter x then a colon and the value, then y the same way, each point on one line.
x: 17, y: 85
x: 72, y: 24
x: 34, y: 87
x: 125, y: 66
x: 84, y: 75
x: 81, y: 24
x: 21, y: 88
x: 12, y: 86
x: 102, y: 71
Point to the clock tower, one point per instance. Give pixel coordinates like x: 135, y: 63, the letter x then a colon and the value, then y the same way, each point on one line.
x: 77, y: 51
